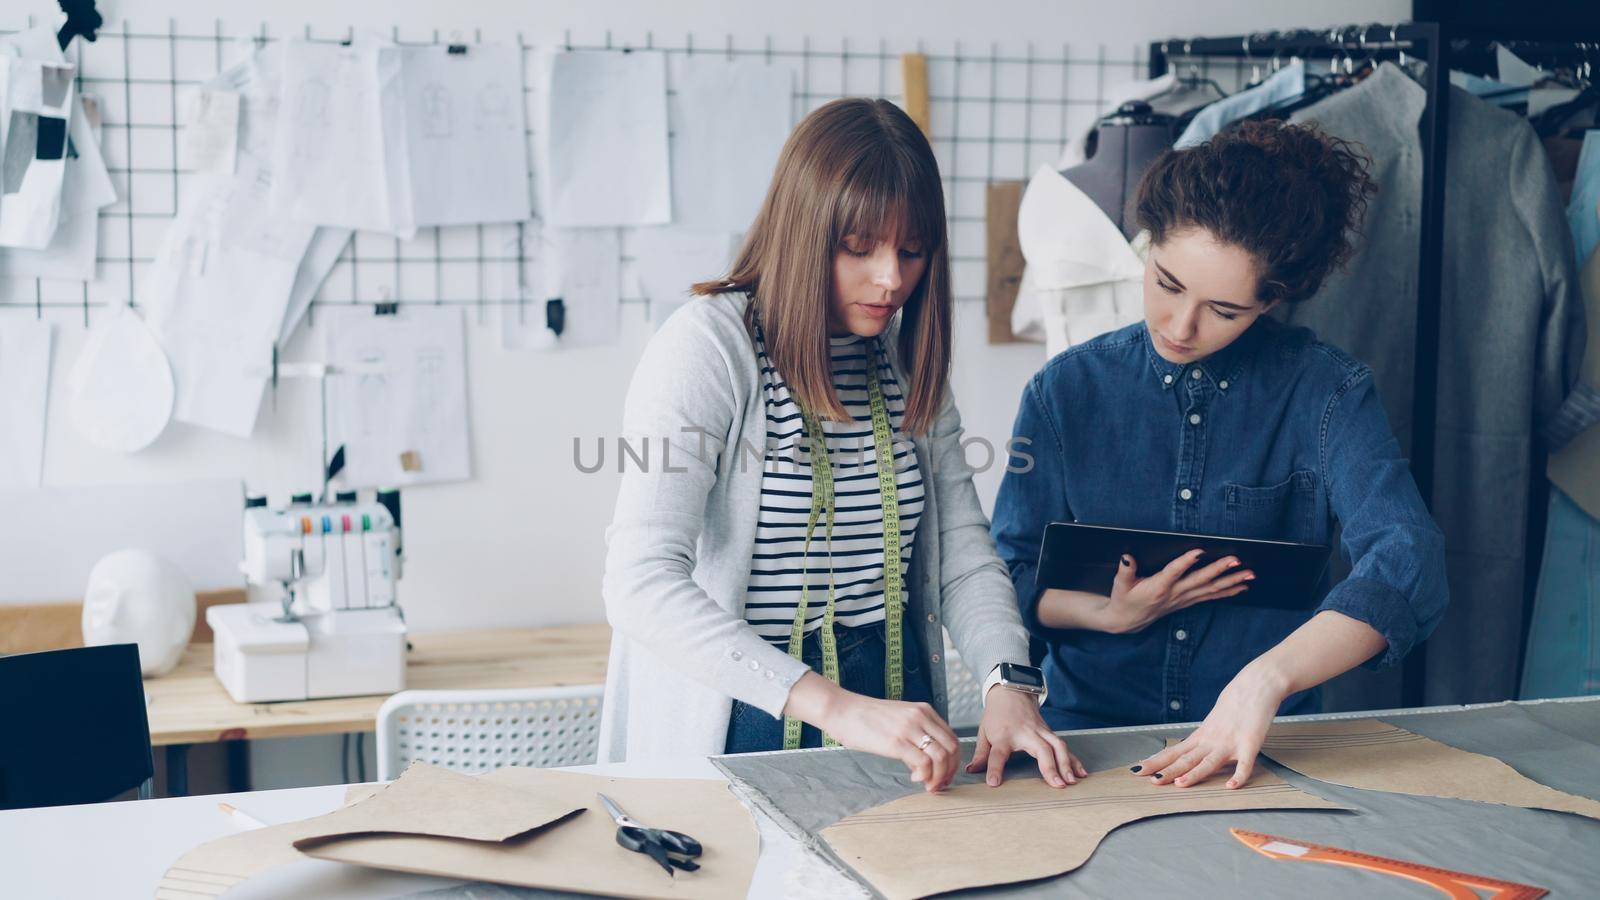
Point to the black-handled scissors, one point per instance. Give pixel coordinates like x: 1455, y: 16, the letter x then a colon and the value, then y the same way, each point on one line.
x: 671, y: 849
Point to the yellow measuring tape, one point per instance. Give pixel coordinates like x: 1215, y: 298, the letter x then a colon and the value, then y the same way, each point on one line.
x: 822, y: 504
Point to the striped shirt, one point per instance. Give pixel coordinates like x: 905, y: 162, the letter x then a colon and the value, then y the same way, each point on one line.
x: 780, y: 557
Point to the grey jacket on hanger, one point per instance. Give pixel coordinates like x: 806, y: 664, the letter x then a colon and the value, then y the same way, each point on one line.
x: 1511, y: 340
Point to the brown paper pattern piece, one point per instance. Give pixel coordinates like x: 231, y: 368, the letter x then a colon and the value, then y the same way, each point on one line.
x: 1024, y: 829
x: 1376, y: 756
x: 493, y: 828
x: 424, y: 800
x: 582, y: 854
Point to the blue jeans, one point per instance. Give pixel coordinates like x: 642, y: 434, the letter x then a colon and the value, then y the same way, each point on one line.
x: 861, y: 659
x: 1563, y: 654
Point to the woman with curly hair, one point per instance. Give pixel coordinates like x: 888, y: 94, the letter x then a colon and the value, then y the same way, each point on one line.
x: 1209, y: 417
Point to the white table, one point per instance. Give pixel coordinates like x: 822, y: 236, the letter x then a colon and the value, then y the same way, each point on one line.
x: 114, y: 850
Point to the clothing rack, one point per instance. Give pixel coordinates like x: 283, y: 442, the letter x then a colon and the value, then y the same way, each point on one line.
x: 1442, y: 46
x: 1551, y: 45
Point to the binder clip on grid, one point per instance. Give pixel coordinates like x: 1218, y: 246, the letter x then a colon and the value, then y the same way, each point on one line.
x: 540, y: 319
x: 338, y: 629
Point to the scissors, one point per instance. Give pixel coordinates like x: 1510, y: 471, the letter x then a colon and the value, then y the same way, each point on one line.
x: 671, y: 849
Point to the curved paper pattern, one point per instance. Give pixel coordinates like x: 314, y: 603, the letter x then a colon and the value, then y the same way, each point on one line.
x: 1024, y: 829
x: 121, y: 386
x: 1376, y: 756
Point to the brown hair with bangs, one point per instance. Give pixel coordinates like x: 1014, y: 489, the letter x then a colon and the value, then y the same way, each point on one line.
x: 852, y: 167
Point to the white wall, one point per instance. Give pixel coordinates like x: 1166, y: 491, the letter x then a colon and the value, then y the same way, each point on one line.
x: 521, y: 544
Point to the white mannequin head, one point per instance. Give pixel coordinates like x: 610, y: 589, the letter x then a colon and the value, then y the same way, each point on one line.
x: 136, y: 597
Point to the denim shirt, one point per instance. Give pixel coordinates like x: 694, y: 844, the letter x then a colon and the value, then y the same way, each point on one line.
x: 1275, y: 436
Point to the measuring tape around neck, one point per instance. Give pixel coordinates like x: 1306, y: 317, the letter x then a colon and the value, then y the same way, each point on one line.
x: 822, y: 505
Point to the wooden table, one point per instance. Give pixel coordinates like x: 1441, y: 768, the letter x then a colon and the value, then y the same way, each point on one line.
x: 190, y: 706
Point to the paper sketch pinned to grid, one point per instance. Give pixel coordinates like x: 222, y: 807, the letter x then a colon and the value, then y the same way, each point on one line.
x: 602, y: 148
x: 41, y: 97
x: 730, y: 119
x: 467, y: 136
x: 217, y: 292
x: 85, y: 190
x: 581, y: 268
x: 341, y: 145
x: 403, y: 420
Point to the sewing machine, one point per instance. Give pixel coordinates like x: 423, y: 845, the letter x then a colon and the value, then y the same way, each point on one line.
x: 337, y: 631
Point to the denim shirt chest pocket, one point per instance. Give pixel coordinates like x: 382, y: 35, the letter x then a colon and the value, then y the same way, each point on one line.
x: 1285, y: 511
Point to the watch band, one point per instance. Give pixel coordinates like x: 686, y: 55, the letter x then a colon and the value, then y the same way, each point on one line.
x: 997, y: 677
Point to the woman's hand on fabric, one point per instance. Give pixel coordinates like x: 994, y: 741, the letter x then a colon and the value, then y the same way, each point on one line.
x: 1136, y: 602
x: 1230, y: 736
x: 1011, y: 722
x: 910, y: 732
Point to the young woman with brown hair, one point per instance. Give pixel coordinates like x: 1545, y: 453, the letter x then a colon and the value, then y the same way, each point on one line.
x: 763, y: 595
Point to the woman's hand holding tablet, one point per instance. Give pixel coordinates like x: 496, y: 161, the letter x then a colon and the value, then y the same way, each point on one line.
x: 1136, y: 602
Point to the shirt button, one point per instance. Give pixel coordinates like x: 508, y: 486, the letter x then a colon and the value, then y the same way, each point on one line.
x: 1223, y: 385
x: 1167, y: 379
x: 1195, y: 374
x: 736, y: 655
x: 934, y: 657
x: 755, y: 666
x: 770, y: 673
x: 1194, y: 419
x: 1186, y: 494
x: 932, y: 617
x: 1181, y: 635
x: 1175, y: 706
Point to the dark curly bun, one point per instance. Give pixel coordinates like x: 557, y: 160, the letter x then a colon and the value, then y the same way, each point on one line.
x: 1291, y: 196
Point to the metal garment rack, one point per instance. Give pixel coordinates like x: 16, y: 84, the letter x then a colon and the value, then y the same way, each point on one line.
x: 1442, y: 47
x: 1421, y: 41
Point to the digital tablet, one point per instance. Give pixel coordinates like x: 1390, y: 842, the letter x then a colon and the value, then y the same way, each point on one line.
x: 1077, y: 557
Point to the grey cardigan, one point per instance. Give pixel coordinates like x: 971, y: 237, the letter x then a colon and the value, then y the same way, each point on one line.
x: 680, y: 542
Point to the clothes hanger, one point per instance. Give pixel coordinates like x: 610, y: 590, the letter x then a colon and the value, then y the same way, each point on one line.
x: 1552, y: 120
x: 1192, y: 80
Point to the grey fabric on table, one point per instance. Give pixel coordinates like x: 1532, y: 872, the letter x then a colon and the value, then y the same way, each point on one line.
x: 1193, y: 855
x: 814, y: 789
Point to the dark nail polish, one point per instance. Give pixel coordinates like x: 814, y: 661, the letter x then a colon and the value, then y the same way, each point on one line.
x: 1124, y: 560
x: 1135, y: 769
x: 1156, y: 775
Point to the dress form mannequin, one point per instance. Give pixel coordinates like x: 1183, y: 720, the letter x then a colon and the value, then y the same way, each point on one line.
x: 1128, y: 141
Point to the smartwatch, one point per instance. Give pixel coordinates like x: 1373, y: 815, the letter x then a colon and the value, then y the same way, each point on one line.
x: 1026, y: 679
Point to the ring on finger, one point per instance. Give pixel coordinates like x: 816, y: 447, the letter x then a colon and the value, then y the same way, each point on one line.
x: 926, y: 740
